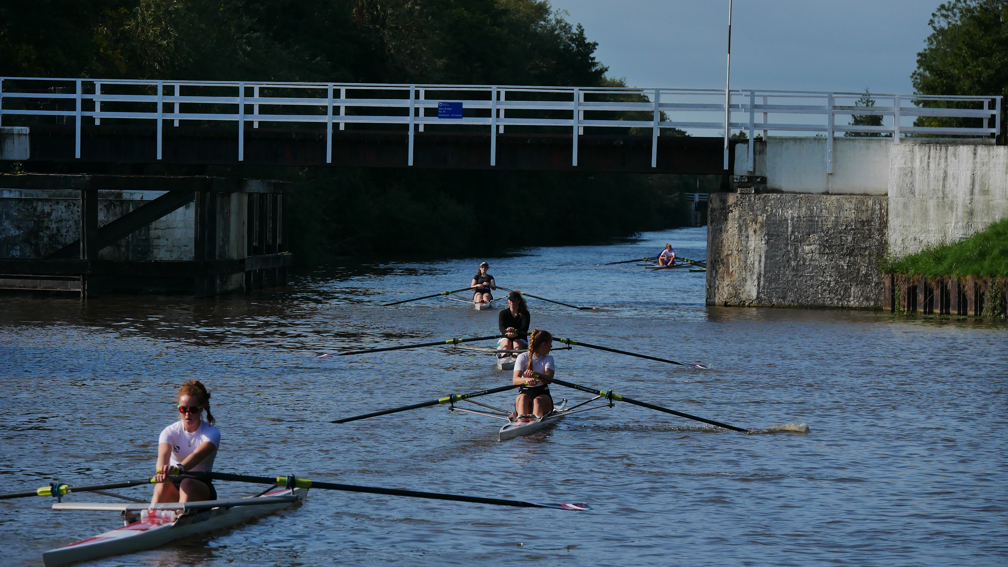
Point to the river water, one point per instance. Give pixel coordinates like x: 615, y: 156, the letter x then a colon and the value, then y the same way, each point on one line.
x: 903, y: 464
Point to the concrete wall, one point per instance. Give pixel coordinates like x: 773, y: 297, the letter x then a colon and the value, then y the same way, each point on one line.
x: 798, y: 165
x: 941, y: 193
x: 795, y: 250
x: 35, y: 223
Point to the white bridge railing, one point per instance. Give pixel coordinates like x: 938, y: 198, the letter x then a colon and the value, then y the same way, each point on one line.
x: 649, y: 111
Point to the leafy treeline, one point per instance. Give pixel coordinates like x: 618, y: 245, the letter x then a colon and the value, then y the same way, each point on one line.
x: 966, y: 54
x: 364, y: 212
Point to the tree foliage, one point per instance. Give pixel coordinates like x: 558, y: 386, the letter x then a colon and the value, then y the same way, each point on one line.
x: 966, y: 54
x: 866, y: 101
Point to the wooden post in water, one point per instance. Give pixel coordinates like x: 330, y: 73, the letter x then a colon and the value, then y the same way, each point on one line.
x: 89, y: 237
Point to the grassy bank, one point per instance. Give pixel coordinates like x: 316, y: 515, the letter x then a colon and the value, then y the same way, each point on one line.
x: 984, y: 254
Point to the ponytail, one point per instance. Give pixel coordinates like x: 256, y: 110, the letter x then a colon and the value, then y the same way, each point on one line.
x: 536, y: 339
x: 196, y: 389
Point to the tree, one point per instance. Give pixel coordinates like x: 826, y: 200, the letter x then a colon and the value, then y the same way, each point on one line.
x: 866, y: 101
x: 966, y: 54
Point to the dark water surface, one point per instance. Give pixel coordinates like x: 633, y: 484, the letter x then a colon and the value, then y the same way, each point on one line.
x: 904, y: 463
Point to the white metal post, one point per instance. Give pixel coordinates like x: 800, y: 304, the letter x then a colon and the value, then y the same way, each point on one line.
x: 727, y: 112
x: 997, y: 119
x: 580, y: 113
x: 829, y: 134
x: 503, y: 97
x: 764, y: 119
x: 342, y: 108
x: 493, y: 127
x: 178, y: 89
x: 422, y: 113
x: 574, y: 147
x: 97, y: 103
x: 897, y: 103
x: 654, y: 128
x: 255, y: 107
x: 329, y: 101
x: 412, y: 95
x: 1, y: 102
x: 160, y: 116
x: 752, y: 125
x: 241, y: 121
x: 78, y: 116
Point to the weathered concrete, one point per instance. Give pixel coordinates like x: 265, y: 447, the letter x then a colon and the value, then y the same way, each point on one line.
x: 796, y: 250
x: 36, y: 223
x: 14, y: 144
x: 944, y: 193
x: 798, y: 165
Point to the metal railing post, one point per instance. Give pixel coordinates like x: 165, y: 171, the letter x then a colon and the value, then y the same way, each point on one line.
x: 829, y: 134
x: 422, y: 113
x: 160, y: 117
x: 342, y: 108
x: 329, y: 102
x: 241, y: 121
x: 412, y: 99
x: 493, y: 127
x: 997, y: 116
x: 727, y: 127
x: 655, y: 128
x: 897, y: 103
x: 574, y: 147
x: 175, y: 107
x: 752, y: 125
x: 764, y: 119
x: 580, y: 112
x: 1, y: 102
x: 80, y: 87
x: 97, y: 103
x: 255, y: 107
x: 503, y: 97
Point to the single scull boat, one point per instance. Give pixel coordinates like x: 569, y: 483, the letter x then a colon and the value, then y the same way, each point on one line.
x: 147, y: 526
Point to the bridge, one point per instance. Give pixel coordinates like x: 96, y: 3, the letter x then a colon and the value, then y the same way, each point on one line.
x: 651, y: 130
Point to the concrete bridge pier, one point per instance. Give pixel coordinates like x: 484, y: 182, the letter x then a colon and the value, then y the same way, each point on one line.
x: 793, y: 235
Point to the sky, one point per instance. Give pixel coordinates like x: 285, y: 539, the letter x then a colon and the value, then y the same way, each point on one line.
x: 806, y: 45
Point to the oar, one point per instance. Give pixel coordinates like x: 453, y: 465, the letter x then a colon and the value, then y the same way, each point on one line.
x: 445, y: 400
x: 694, y: 262
x: 644, y: 259
x: 403, y: 347
x: 619, y: 398
x: 57, y: 489
x: 292, y: 482
x: 579, y: 343
x: 549, y: 300
x: 425, y: 297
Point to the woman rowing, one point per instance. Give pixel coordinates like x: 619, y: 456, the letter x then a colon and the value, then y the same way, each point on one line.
x: 667, y: 256
x: 513, y: 323
x: 482, y: 283
x: 533, y: 371
x: 188, y: 445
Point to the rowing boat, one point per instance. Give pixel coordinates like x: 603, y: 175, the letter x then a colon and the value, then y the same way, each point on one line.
x: 516, y: 427
x: 527, y: 426
x: 147, y: 526
x: 483, y: 305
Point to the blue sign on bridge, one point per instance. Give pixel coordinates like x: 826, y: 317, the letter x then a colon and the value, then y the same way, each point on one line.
x: 449, y: 110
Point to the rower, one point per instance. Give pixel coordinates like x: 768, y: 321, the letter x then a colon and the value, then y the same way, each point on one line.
x: 188, y: 445
x: 667, y: 256
x: 534, y: 395
x: 513, y: 323
x: 481, y: 285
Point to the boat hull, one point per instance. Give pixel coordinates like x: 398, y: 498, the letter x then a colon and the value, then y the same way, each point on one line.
x: 483, y: 306
x: 154, y: 530
x: 520, y: 428
x: 506, y: 363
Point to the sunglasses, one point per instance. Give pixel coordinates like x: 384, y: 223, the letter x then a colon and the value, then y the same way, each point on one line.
x: 190, y: 409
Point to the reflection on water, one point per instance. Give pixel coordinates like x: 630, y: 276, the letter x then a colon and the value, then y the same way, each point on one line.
x: 903, y: 462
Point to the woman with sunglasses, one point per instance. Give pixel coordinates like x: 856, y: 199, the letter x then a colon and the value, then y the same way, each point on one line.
x: 481, y: 285
x: 188, y: 445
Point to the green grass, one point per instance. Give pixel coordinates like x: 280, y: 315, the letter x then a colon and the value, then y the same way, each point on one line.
x: 985, y: 254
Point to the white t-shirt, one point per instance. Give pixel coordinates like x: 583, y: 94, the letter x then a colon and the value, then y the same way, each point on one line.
x: 184, y: 443
x: 540, y: 364
x: 667, y: 254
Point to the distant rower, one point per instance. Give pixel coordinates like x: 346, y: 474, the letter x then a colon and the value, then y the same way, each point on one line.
x: 513, y: 323
x: 667, y: 256
x: 188, y: 445
x: 481, y: 285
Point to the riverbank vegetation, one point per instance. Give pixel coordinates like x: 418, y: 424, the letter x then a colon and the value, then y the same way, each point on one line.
x: 360, y: 212
x: 985, y: 254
